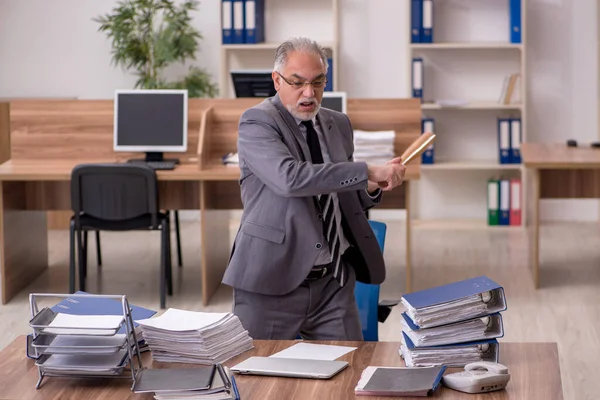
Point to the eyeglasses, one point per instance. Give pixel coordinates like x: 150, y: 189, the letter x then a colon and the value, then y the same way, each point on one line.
x: 318, y: 84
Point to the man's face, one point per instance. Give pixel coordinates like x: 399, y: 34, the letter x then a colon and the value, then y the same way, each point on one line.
x: 302, y: 101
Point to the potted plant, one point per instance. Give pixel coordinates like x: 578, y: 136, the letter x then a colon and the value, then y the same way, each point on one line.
x: 149, y: 35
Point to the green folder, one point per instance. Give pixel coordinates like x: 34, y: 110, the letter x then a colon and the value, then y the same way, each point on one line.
x: 493, y: 201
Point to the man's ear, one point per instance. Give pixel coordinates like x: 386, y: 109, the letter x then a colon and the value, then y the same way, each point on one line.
x: 276, y: 80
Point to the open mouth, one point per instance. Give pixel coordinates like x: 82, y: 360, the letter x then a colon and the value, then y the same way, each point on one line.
x: 307, y: 105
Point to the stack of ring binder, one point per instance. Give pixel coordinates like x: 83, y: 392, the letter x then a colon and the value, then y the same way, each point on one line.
x: 83, y: 346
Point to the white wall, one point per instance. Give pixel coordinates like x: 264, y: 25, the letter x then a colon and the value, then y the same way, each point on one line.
x: 53, y: 49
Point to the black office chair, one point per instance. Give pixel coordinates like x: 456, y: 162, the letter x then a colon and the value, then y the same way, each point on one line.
x: 116, y: 197
x: 99, y: 250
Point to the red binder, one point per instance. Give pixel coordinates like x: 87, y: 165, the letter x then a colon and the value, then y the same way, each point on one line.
x: 515, y: 202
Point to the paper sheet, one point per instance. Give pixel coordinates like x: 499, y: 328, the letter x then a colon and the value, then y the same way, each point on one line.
x: 314, y: 351
x: 182, y: 320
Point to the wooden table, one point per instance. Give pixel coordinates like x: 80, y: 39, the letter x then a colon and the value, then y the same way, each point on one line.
x: 534, y: 368
x: 28, y: 189
x: 556, y: 171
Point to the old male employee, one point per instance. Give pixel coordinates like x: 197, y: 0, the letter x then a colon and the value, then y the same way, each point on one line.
x: 304, y: 238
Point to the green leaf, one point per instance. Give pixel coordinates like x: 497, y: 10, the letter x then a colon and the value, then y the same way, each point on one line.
x: 148, y: 35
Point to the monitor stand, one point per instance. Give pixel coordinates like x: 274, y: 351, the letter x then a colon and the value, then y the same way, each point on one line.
x: 155, y: 156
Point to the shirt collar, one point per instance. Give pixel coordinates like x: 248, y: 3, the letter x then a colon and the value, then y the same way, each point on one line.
x: 299, y: 121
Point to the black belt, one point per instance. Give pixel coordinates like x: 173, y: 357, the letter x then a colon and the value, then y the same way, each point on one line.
x: 319, y: 271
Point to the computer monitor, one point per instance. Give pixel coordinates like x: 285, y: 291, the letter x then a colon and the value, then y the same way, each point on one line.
x: 152, y: 121
x: 253, y: 83
x: 334, y: 101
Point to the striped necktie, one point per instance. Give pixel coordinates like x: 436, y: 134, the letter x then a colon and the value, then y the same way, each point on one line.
x: 327, y: 208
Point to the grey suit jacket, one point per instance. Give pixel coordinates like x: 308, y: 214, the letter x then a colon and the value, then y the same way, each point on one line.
x: 281, y: 232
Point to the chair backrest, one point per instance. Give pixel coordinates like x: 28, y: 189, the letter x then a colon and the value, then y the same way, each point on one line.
x: 367, y: 295
x: 114, y: 192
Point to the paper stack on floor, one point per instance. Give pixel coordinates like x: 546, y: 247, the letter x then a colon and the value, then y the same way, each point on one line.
x: 453, y: 324
x: 195, y: 337
x: 374, y: 147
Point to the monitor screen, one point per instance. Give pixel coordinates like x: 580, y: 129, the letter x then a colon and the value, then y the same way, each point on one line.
x: 253, y: 83
x: 150, y: 120
x: 334, y: 101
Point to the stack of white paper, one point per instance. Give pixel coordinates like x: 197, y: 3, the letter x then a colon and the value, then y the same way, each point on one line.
x: 195, y: 337
x: 374, y: 147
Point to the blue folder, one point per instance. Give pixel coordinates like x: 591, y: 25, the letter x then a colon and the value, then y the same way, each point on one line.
x: 227, y: 21
x: 492, y: 353
x: 416, y: 20
x: 515, y: 21
x: 99, y: 306
x: 495, y: 329
x: 460, y: 290
x: 254, y: 21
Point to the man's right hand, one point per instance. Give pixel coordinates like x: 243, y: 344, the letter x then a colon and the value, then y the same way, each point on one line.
x: 388, y: 176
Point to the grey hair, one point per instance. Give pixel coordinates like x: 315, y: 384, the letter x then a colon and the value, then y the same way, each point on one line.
x: 298, y: 44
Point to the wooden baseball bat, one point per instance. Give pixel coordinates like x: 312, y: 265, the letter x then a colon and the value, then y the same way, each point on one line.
x: 417, y: 147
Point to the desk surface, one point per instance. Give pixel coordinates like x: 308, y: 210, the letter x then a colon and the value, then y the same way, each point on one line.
x: 52, y: 170
x: 559, y: 155
x: 534, y: 368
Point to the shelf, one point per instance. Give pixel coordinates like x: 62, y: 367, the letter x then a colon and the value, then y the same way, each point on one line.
x: 461, y: 224
x: 268, y: 46
x: 476, y: 105
x: 468, y: 165
x: 466, y: 45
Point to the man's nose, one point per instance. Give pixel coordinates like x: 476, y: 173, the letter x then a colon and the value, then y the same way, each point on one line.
x: 308, y: 90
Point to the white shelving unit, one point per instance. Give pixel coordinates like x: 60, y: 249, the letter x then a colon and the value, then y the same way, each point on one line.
x: 466, y: 65
x: 316, y: 19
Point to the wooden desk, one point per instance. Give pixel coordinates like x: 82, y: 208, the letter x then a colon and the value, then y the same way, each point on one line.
x: 534, y: 368
x: 555, y: 171
x: 28, y: 189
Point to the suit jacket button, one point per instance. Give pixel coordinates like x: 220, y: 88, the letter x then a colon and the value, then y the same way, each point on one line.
x: 318, y: 245
x: 319, y: 217
x: 342, y: 183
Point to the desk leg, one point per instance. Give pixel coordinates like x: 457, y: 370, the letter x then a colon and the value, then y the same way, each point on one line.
x: 215, y: 243
x: 408, y: 284
x: 23, y: 240
x: 533, y: 224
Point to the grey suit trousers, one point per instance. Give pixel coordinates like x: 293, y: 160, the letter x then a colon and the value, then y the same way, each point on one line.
x: 317, y: 310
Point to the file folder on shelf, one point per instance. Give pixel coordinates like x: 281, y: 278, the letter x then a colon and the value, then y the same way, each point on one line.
x: 451, y: 355
x: 238, y: 22
x: 515, y: 202
x: 515, y: 141
x: 454, y: 302
x: 515, y: 20
x: 254, y: 21
x: 493, y: 201
x: 476, y: 329
x: 428, y: 125
x: 227, y: 21
x: 329, y: 84
x: 417, y: 78
x: 416, y: 20
x: 504, y: 140
x: 427, y: 25
x: 504, y: 214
